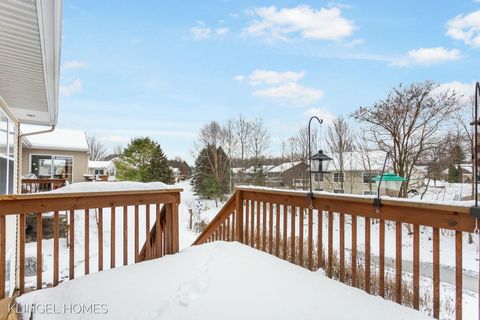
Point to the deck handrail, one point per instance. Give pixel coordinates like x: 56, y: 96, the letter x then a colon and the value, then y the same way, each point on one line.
x: 35, y: 185
x: 270, y: 220
x: 113, y: 203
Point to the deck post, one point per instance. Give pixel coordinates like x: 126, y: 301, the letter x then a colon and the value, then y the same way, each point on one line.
x: 239, y: 216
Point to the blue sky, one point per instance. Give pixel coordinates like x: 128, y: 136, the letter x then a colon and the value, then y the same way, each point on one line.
x: 165, y: 68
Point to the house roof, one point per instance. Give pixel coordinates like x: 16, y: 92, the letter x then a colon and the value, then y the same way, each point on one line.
x: 30, y: 59
x: 95, y: 164
x: 265, y: 168
x: 284, y: 166
x: 59, y: 139
x: 359, y: 161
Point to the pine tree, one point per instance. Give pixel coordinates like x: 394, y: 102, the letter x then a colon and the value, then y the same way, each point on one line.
x: 208, y: 181
x: 143, y: 160
x: 453, y: 174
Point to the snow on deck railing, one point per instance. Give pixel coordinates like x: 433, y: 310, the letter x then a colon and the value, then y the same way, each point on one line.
x: 280, y: 222
x: 82, y: 212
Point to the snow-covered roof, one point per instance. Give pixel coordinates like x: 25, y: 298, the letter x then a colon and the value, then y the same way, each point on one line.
x: 237, y: 170
x: 265, y: 168
x: 99, y: 164
x: 175, y: 170
x: 359, y: 161
x: 59, y: 139
x: 284, y: 166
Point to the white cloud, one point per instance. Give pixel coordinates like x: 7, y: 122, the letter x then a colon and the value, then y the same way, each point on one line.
x: 292, y: 93
x: 309, y: 23
x: 464, y: 89
x: 427, y: 56
x: 222, y: 31
x: 74, y: 64
x: 282, y: 87
x: 201, y: 32
x: 465, y: 28
x: 274, y: 77
x: 322, y: 113
x: 69, y: 89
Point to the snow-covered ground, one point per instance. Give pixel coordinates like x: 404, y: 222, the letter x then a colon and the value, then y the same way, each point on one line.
x: 213, y: 281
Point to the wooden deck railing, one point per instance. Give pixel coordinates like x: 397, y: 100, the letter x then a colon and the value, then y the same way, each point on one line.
x: 280, y: 223
x: 154, y: 207
x: 41, y: 185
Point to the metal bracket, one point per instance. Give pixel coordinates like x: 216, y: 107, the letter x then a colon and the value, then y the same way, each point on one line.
x: 475, y: 212
x: 377, y: 203
x: 310, y: 200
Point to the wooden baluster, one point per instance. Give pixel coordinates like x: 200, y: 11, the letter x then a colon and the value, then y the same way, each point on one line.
x: 458, y: 275
x: 228, y: 230
x: 247, y: 221
x: 319, y: 239
x: 87, y: 241
x: 100, y: 239
x: 416, y: 266
x: 436, y: 273
x: 252, y: 224
x: 158, y: 232
x: 125, y: 235
x: 367, y: 255
x: 310, y: 239
x: 147, y: 233
x: 39, y: 251
x: 112, y: 237
x: 285, y: 233
x: 71, y: 262
x: 21, y: 266
x: 398, y: 262
x: 55, y: 247
x: 264, y: 227
x: 3, y: 249
x: 330, y: 245
x: 300, y: 237
x: 342, y: 247
x: 270, y: 229
x: 277, y: 230
x: 257, y: 212
x: 137, y: 242
x: 354, y: 250
x: 381, y: 266
x: 292, y: 234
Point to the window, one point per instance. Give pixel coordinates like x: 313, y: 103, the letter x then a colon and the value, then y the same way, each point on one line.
x: 368, y: 176
x: 318, y: 189
x: 7, y: 155
x: 338, y: 177
x: 369, y: 192
x: 318, y: 177
x: 300, y: 175
x: 338, y: 191
x: 52, y: 167
x: 99, y: 172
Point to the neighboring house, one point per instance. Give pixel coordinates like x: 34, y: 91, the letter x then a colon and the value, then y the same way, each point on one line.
x: 101, y: 170
x: 288, y: 175
x: 60, y: 154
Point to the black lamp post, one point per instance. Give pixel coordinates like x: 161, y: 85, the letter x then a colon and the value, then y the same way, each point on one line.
x: 316, y: 162
x: 475, y: 210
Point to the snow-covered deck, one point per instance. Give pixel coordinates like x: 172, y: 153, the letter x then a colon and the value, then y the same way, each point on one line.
x: 213, y: 281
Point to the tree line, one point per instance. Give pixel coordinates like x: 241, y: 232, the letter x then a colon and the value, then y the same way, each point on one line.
x: 416, y: 124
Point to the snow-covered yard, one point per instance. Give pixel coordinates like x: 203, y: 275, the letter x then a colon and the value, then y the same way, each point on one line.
x: 213, y: 281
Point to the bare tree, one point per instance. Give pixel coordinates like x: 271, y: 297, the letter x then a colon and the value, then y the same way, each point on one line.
x: 260, y: 140
x: 230, y: 143
x: 96, y: 150
x: 364, y: 150
x: 340, y: 142
x: 243, y: 131
x: 406, y: 123
x: 300, y: 143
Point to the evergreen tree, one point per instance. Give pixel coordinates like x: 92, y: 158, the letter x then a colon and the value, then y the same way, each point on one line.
x: 208, y: 181
x: 143, y: 160
x: 453, y: 174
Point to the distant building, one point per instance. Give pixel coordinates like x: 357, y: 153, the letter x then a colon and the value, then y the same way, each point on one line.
x: 293, y: 175
x: 101, y: 171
